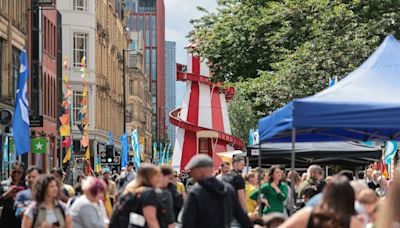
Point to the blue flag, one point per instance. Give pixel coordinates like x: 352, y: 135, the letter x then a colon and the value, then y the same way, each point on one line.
x: 390, y: 151
x: 125, y: 148
x: 110, y: 141
x: 21, y: 132
x: 136, y: 148
x: 167, y: 156
x: 5, y: 149
x: 333, y: 81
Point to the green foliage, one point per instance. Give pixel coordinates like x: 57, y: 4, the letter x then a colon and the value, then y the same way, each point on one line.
x: 275, y: 50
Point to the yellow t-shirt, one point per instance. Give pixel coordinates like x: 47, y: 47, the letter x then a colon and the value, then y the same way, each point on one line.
x: 180, y: 187
x: 250, y: 204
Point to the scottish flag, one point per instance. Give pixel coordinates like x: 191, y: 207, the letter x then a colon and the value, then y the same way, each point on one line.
x: 136, y: 148
x: 125, y: 148
x: 21, y: 131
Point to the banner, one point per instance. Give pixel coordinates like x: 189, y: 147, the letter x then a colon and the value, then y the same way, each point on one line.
x: 136, y: 148
x: 125, y: 148
x: 39, y: 145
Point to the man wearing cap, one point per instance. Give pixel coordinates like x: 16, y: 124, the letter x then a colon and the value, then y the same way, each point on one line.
x: 210, y: 202
x: 111, y: 186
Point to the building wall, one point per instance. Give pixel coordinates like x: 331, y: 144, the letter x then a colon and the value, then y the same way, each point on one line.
x: 147, y: 16
x: 170, y: 79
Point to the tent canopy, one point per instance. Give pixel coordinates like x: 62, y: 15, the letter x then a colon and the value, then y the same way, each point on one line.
x: 316, y: 152
x: 363, y: 106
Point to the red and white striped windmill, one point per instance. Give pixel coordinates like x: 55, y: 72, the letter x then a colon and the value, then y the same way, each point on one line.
x: 202, y: 122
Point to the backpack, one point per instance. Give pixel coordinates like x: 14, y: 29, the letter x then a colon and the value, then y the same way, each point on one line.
x: 124, y: 206
x: 35, y: 211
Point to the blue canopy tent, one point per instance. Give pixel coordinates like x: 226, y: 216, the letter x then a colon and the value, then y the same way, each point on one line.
x: 365, y: 105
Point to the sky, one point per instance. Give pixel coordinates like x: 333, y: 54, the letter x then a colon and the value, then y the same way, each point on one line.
x: 177, y: 16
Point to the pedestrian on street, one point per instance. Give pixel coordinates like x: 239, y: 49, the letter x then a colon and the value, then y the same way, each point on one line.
x: 63, y: 195
x: 25, y: 197
x: 126, y: 177
x: 88, y: 210
x: 315, y: 178
x: 111, y: 186
x: 8, y: 191
x: 139, y: 205
x: 210, y: 203
x: 234, y: 177
x: 225, y: 167
x: 46, y: 211
x: 335, y: 210
x: 274, y: 192
x: 169, y: 187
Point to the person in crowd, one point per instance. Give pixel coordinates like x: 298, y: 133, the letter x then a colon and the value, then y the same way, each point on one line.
x: 369, y: 201
x: 24, y: 198
x: 224, y: 168
x: 78, y: 185
x: 274, y: 192
x: 314, y: 178
x: 8, y: 191
x: 88, y: 210
x: 127, y: 176
x: 303, y: 177
x: 140, y: 201
x: 64, y: 195
x: 309, y: 193
x: 234, y: 177
x: 46, y: 210
x: 360, y: 175
x: 180, y: 187
x: 388, y: 215
x: 369, y: 174
x: 373, y: 183
x: 167, y: 183
x: 294, y: 177
x: 251, y: 186
x: 382, y: 190
x: 335, y: 210
x: 111, y: 186
x: 210, y: 202
x: 273, y: 220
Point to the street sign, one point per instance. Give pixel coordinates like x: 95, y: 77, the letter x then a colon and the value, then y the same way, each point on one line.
x: 5, y: 116
x: 35, y: 121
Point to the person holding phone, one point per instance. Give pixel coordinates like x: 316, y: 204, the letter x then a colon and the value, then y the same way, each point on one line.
x: 8, y: 191
x: 46, y: 211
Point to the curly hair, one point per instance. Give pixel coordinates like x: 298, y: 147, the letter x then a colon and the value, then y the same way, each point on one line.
x: 41, y: 185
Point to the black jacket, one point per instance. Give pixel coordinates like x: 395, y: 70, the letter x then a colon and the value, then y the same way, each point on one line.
x: 213, y: 203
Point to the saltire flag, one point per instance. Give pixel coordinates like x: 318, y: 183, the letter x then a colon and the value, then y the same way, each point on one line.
x: 333, y: 81
x: 255, y: 137
x: 110, y: 140
x: 125, y: 148
x: 136, y: 148
x: 390, y: 151
x: 250, y: 140
x: 21, y: 132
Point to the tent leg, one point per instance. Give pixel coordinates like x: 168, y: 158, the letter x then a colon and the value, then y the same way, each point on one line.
x: 292, y: 167
x: 259, y: 179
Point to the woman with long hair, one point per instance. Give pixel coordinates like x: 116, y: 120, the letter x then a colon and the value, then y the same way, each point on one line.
x: 274, y: 191
x: 46, y: 210
x: 139, y: 205
x: 335, y: 211
x: 90, y: 205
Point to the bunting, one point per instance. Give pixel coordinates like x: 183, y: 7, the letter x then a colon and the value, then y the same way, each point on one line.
x: 65, y: 118
x: 84, y: 114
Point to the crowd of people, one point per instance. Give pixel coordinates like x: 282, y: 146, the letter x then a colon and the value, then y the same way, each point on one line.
x: 158, y: 196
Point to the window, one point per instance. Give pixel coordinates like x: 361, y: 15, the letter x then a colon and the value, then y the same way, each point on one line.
x: 153, y: 32
x: 80, y: 47
x: 153, y: 65
x: 15, y: 64
x: 1, y: 66
x: 80, y: 5
x: 134, y: 23
x: 147, y: 6
x: 130, y: 87
x: 128, y: 22
x: 140, y: 23
x: 147, y: 31
x: 76, y: 107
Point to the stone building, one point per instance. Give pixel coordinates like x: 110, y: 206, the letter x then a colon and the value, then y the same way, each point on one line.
x: 139, y: 96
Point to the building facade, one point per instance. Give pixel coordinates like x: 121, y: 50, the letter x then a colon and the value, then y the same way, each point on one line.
x: 139, y: 96
x: 13, y: 38
x: 94, y: 29
x: 148, y: 17
x: 170, y: 80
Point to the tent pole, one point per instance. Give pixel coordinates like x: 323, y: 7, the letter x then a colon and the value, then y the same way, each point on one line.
x: 259, y: 179
x: 292, y: 167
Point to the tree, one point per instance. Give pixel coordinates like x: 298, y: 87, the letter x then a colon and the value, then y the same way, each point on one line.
x: 277, y: 50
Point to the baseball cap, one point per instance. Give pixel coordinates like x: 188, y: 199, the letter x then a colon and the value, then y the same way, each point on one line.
x: 199, y: 160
